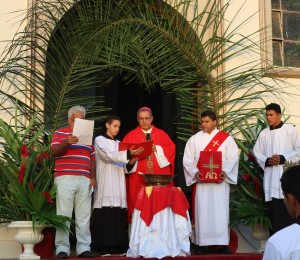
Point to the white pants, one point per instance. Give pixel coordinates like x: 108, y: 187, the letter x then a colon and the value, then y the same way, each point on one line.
x: 73, y: 191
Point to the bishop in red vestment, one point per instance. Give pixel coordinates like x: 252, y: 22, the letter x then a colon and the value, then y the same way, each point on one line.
x: 161, y: 160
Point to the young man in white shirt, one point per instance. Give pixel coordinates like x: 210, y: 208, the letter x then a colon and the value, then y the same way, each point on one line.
x: 285, y: 244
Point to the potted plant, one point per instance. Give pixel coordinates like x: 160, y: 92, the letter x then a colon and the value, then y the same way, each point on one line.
x: 248, y: 205
x: 27, y: 190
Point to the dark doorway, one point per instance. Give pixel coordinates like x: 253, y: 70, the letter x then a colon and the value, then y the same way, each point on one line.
x: 125, y: 99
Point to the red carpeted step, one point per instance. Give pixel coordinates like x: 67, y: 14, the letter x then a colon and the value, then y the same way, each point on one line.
x: 193, y: 257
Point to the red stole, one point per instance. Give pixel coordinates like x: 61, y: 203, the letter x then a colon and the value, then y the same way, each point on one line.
x: 216, y: 142
x: 212, y: 146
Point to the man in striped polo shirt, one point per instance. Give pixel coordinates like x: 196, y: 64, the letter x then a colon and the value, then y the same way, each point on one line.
x: 74, y: 174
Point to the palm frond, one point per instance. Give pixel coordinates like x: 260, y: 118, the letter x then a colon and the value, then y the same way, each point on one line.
x: 70, y: 52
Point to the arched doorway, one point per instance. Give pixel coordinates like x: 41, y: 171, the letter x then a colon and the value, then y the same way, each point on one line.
x: 118, y: 56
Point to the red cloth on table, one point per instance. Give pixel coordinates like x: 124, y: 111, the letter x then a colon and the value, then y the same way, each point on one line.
x: 153, y: 199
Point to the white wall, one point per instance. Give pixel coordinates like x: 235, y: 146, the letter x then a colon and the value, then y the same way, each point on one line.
x: 290, y: 102
x: 9, y: 247
x: 10, y: 16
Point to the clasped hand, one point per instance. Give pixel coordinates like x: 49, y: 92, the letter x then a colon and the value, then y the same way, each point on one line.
x: 274, y: 160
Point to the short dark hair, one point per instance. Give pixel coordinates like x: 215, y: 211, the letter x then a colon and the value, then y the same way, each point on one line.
x: 275, y: 107
x: 111, y: 118
x: 290, y: 181
x: 211, y: 114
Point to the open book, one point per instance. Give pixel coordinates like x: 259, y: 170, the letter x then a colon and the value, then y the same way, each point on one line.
x: 146, y: 145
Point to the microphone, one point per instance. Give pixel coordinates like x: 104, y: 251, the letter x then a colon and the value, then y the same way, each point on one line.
x: 148, y: 136
x: 149, y: 159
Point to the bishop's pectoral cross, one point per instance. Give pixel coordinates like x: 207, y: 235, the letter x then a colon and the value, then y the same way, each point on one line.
x: 211, y: 174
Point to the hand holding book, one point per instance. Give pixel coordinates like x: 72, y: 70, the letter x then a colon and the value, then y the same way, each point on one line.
x: 141, y: 150
x: 135, y: 152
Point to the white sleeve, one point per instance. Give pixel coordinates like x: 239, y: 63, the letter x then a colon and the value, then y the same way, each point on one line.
x: 230, y: 164
x: 259, y: 151
x: 271, y: 252
x: 190, y: 159
x: 105, y: 154
x: 295, y: 142
x: 160, y: 157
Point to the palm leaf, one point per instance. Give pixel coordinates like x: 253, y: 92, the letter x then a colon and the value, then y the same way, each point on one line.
x: 81, y: 47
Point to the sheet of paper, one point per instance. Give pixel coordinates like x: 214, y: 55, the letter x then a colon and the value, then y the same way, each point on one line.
x: 83, y: 129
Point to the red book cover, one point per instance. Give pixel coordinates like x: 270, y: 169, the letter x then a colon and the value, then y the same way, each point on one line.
x: 210, y: 166
x: 146, y: 145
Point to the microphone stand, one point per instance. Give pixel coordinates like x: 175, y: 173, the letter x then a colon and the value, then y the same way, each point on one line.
x: 149, y: 159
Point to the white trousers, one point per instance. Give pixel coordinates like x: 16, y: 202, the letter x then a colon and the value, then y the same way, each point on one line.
x: 73, y: 192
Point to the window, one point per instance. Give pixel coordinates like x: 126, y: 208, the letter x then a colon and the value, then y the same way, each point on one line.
x: 286, y: 33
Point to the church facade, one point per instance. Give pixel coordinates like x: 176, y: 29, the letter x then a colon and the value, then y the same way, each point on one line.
x: 256, y: 18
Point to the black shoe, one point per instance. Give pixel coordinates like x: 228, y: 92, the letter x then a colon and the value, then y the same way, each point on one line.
x: 224, y: 250
x: 62, y: 255
x: 118, y: 251
x: 202, y: 250
x: 86, y: 254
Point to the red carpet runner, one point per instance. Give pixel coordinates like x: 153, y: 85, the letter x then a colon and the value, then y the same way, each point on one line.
x: 193, y: 257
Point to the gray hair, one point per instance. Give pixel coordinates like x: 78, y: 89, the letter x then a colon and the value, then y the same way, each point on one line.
x: 76, y: 109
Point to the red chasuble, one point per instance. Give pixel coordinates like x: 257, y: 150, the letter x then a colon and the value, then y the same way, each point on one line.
x: 135, y: 181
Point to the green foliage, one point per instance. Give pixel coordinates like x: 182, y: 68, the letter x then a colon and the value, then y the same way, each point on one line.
x: 27, y: 191
x: 79, y: 47
x: 248, y: 204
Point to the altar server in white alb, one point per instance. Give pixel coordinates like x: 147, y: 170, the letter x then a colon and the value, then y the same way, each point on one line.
x: 277, y: 143
x: 109, y: 218
x: 211, y: 201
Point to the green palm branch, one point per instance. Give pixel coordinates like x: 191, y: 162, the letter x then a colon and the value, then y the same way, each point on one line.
x: 70, y: 51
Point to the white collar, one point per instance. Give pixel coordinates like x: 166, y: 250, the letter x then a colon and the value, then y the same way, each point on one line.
x: 147, y: 131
